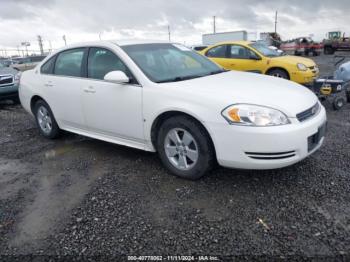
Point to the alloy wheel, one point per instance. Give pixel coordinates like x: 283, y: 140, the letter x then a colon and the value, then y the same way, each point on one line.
x: 44, y: 120
x: 181, y: 149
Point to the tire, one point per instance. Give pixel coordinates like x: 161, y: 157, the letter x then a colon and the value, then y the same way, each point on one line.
x: 16, y: 101
x: 338, y: 103
x: 182, y: 135
x: 347, y: 92
x: 328, y: 50
x: 44, y: 117
x: 278, y: 73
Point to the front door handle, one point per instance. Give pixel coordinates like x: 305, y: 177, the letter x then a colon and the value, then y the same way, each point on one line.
x: 90, y: 90
x: 48, y: 84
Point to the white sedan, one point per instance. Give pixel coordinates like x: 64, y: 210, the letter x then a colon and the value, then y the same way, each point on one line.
x: 164, y: 97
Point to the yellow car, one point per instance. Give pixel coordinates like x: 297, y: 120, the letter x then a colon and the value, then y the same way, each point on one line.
x: 259, y: 58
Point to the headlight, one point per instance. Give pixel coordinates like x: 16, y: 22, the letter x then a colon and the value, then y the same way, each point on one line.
x: 302, y: 67
x: 17, y: 77
x: 253, y: 115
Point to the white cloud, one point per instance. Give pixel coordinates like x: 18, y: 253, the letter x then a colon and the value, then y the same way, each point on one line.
x: 23, y: 20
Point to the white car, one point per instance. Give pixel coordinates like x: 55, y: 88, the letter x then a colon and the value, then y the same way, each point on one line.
x: 167, y: 98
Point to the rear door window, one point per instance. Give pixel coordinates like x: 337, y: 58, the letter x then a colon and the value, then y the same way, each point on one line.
x: 70, y: 62
x: 47, y: 68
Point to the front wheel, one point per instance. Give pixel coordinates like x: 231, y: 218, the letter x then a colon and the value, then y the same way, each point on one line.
x: 45, y: 120
x: 347, y: 92
x: 338, y: 103
x: 278, y: 73
x: 185, y: 148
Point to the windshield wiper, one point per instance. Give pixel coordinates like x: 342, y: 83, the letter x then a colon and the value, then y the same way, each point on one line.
x: 179, y: 78
x: 218, y: 72
x: 182, y: 78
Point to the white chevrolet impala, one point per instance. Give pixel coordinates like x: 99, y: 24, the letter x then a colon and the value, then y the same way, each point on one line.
x: 167, y: 98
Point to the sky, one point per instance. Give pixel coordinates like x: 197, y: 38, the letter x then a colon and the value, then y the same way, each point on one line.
x: 90, y: 20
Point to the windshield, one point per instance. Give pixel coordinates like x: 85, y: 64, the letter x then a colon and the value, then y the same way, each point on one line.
x: 170, y: 62
x: 265, y: 50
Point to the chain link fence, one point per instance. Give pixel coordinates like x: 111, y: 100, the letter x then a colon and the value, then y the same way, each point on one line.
x: 22, y: 52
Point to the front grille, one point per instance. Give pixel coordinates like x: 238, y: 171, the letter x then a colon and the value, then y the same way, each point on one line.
x: 314, y: 69
x: 6, y: 80
x: 305, y: 115
x: 270, y: 156
x: 314, y: 140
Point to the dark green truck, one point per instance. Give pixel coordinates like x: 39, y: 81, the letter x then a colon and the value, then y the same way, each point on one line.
x: 9, y: 81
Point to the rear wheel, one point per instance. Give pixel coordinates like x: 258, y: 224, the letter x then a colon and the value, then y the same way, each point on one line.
x: 185, y: 147
x: 45, y: 120
x: 328, y: 50
x: 278, y: 73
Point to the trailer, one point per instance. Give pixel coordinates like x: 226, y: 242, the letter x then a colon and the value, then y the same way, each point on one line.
x: 212, y: 39
x: 302, y: 46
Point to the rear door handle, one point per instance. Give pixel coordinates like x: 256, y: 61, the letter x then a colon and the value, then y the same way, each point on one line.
x: 90, y: 90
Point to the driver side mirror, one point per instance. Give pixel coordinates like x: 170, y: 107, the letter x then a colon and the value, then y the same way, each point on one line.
x: 117, y: 77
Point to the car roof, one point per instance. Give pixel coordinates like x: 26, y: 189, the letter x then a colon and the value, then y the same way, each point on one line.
x: 116, y: 42
x: 137, y: 42
x: 233, y: 42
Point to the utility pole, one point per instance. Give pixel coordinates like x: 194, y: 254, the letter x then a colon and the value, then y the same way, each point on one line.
x: 26, y: 44
x: 50, y: 47
x: 276, y: 22
x: 214, y: 23
x: 169, y: 33
x: 64, y: 39
x: 40, y: 41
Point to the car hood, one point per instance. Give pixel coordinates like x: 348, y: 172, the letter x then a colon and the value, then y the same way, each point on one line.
x: 294, y: 60
x: 8, y: 71
x: 343, y: 72
x: 241, y: 87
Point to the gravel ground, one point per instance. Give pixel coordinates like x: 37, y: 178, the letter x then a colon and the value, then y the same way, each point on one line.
x: 79, y: 196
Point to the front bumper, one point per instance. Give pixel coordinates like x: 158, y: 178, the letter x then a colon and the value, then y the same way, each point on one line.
x: 9, y: 92
x: 266, y: 147
x: 305, y: 77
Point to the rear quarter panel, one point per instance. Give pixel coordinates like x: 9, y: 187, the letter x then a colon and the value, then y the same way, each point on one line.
x: 29, y: 87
